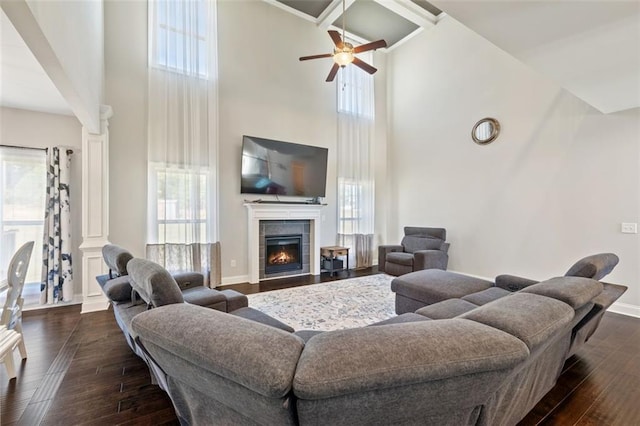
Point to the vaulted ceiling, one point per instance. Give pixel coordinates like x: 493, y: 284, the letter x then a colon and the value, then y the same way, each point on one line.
x: 367, y: 20
x: 591, y: 48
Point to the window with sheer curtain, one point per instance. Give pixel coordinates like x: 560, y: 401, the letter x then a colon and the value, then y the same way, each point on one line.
x: 182, y: 130
x: 23, y: 187
x: 356, y: 184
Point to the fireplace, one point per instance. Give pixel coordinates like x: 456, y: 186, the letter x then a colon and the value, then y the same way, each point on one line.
x: 282, y: 253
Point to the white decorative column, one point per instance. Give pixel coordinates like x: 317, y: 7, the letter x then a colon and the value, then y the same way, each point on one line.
x: 258, y: 212
x: 95, y: 211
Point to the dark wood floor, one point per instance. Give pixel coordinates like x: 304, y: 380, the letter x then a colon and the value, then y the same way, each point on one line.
x: 99, y: 381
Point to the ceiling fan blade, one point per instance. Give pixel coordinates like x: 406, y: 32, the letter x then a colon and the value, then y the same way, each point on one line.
x: 325, y: 55
x: 370, y: 46
x: 333, y: 72
x: 335, y: 36
x: 365, y: 66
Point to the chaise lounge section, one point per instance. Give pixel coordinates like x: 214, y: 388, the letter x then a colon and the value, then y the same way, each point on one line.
x: 443, y: 294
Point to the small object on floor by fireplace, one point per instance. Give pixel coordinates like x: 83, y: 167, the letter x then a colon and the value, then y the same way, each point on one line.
x: 329, y: 258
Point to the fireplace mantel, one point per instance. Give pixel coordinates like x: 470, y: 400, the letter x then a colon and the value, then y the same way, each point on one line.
x: 258, y: 211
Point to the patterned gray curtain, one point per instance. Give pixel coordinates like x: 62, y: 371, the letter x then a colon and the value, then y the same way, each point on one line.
x: 57, y: 275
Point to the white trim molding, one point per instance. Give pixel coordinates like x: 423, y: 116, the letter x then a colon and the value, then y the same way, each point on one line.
x: 95, y: 211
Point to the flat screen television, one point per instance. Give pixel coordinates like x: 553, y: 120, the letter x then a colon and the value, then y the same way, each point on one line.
x: 283, y: 168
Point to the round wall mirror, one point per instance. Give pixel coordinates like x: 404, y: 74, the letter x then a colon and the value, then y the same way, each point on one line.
x: 485, y: 131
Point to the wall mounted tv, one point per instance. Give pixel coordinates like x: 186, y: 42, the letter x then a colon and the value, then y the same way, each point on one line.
x: 283, y: 168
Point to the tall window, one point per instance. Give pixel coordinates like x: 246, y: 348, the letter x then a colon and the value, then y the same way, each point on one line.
x: 182, y: 122
x: 179, y: 202
x: 179, y: 36
x: 23, y: 180
x: 356, y: 185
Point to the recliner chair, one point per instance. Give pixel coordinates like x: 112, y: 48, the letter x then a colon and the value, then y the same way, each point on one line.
x: 421, y: 248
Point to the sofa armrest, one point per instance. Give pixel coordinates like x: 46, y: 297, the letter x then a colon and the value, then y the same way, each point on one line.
x: 382, y: 254
x: 235, y: 300
x: 445, y: 247
x: 188, y: 280
x: 430, y: 259
x: 513, y: 282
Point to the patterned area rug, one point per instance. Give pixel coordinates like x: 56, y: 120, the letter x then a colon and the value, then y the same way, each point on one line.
x: 335, y: 305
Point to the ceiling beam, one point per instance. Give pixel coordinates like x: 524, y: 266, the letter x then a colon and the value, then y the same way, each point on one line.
x: 332, y: 12
x: 410, y: 11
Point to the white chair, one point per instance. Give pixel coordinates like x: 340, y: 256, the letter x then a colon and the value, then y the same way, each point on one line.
x: 11, y: 320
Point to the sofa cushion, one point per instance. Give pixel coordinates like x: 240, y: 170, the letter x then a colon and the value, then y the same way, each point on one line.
x: 419, y: 231
x: 449, y: 308
x: 307, y: 334
x: 596, y: 266
x: 485, y: 296
x: 261, y: 317
x: 153, y: 283
x: 574, y: 291
x: 401, y: 319
x: 400, y: 258
x: 434, y: 285
x: 205, y: 296
x: 529, y: 317
x: 411, y: 243
x: 116, y: 258
x: 118, y: 289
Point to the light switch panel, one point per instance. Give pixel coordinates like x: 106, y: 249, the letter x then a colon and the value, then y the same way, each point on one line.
x: 629, y: 228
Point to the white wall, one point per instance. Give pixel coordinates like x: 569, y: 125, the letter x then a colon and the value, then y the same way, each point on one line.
x: 66, y: 38
x: 263, y: 91
x: 41, y: 130
x: 553, y: 187
x: 126, y: 92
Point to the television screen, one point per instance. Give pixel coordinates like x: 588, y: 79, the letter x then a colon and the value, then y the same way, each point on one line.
x: 283, y: 168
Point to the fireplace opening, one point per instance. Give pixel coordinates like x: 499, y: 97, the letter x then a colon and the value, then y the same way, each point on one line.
x: 282, y: 253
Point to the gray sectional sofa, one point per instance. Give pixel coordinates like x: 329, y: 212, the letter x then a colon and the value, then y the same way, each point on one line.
x: 450, y: 363
x: 488, y: 366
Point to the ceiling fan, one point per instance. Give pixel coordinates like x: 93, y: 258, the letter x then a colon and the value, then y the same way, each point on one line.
x: 344, y: 52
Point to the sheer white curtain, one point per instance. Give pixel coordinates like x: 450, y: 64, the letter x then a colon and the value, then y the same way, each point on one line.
x: 182, y: 132
x: 356, y: 185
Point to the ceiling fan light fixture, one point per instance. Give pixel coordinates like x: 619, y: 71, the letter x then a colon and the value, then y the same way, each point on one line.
x: 343, y: 58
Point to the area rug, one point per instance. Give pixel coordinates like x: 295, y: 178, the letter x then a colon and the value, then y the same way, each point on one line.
x: 334, y: 305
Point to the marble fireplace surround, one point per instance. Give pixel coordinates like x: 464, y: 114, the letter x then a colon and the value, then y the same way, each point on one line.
x: 259, y: 211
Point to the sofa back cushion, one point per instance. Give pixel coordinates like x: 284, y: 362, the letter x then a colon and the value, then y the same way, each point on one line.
x: 418, y: 372
x: 116, y: 258
x: 574, y: 291
x: 596, y: 266
x: 153, y: 283
x: 417, y: 231
x: 531, y: 318
x: 118, y: 289
x: 412, y: 244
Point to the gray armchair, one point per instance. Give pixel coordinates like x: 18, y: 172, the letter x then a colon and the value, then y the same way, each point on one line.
x: 421, y: 248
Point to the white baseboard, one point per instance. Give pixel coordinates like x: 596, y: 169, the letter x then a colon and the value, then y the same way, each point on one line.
x: 94, y: 306
x: 625, y: 309
x: 235, y: 280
